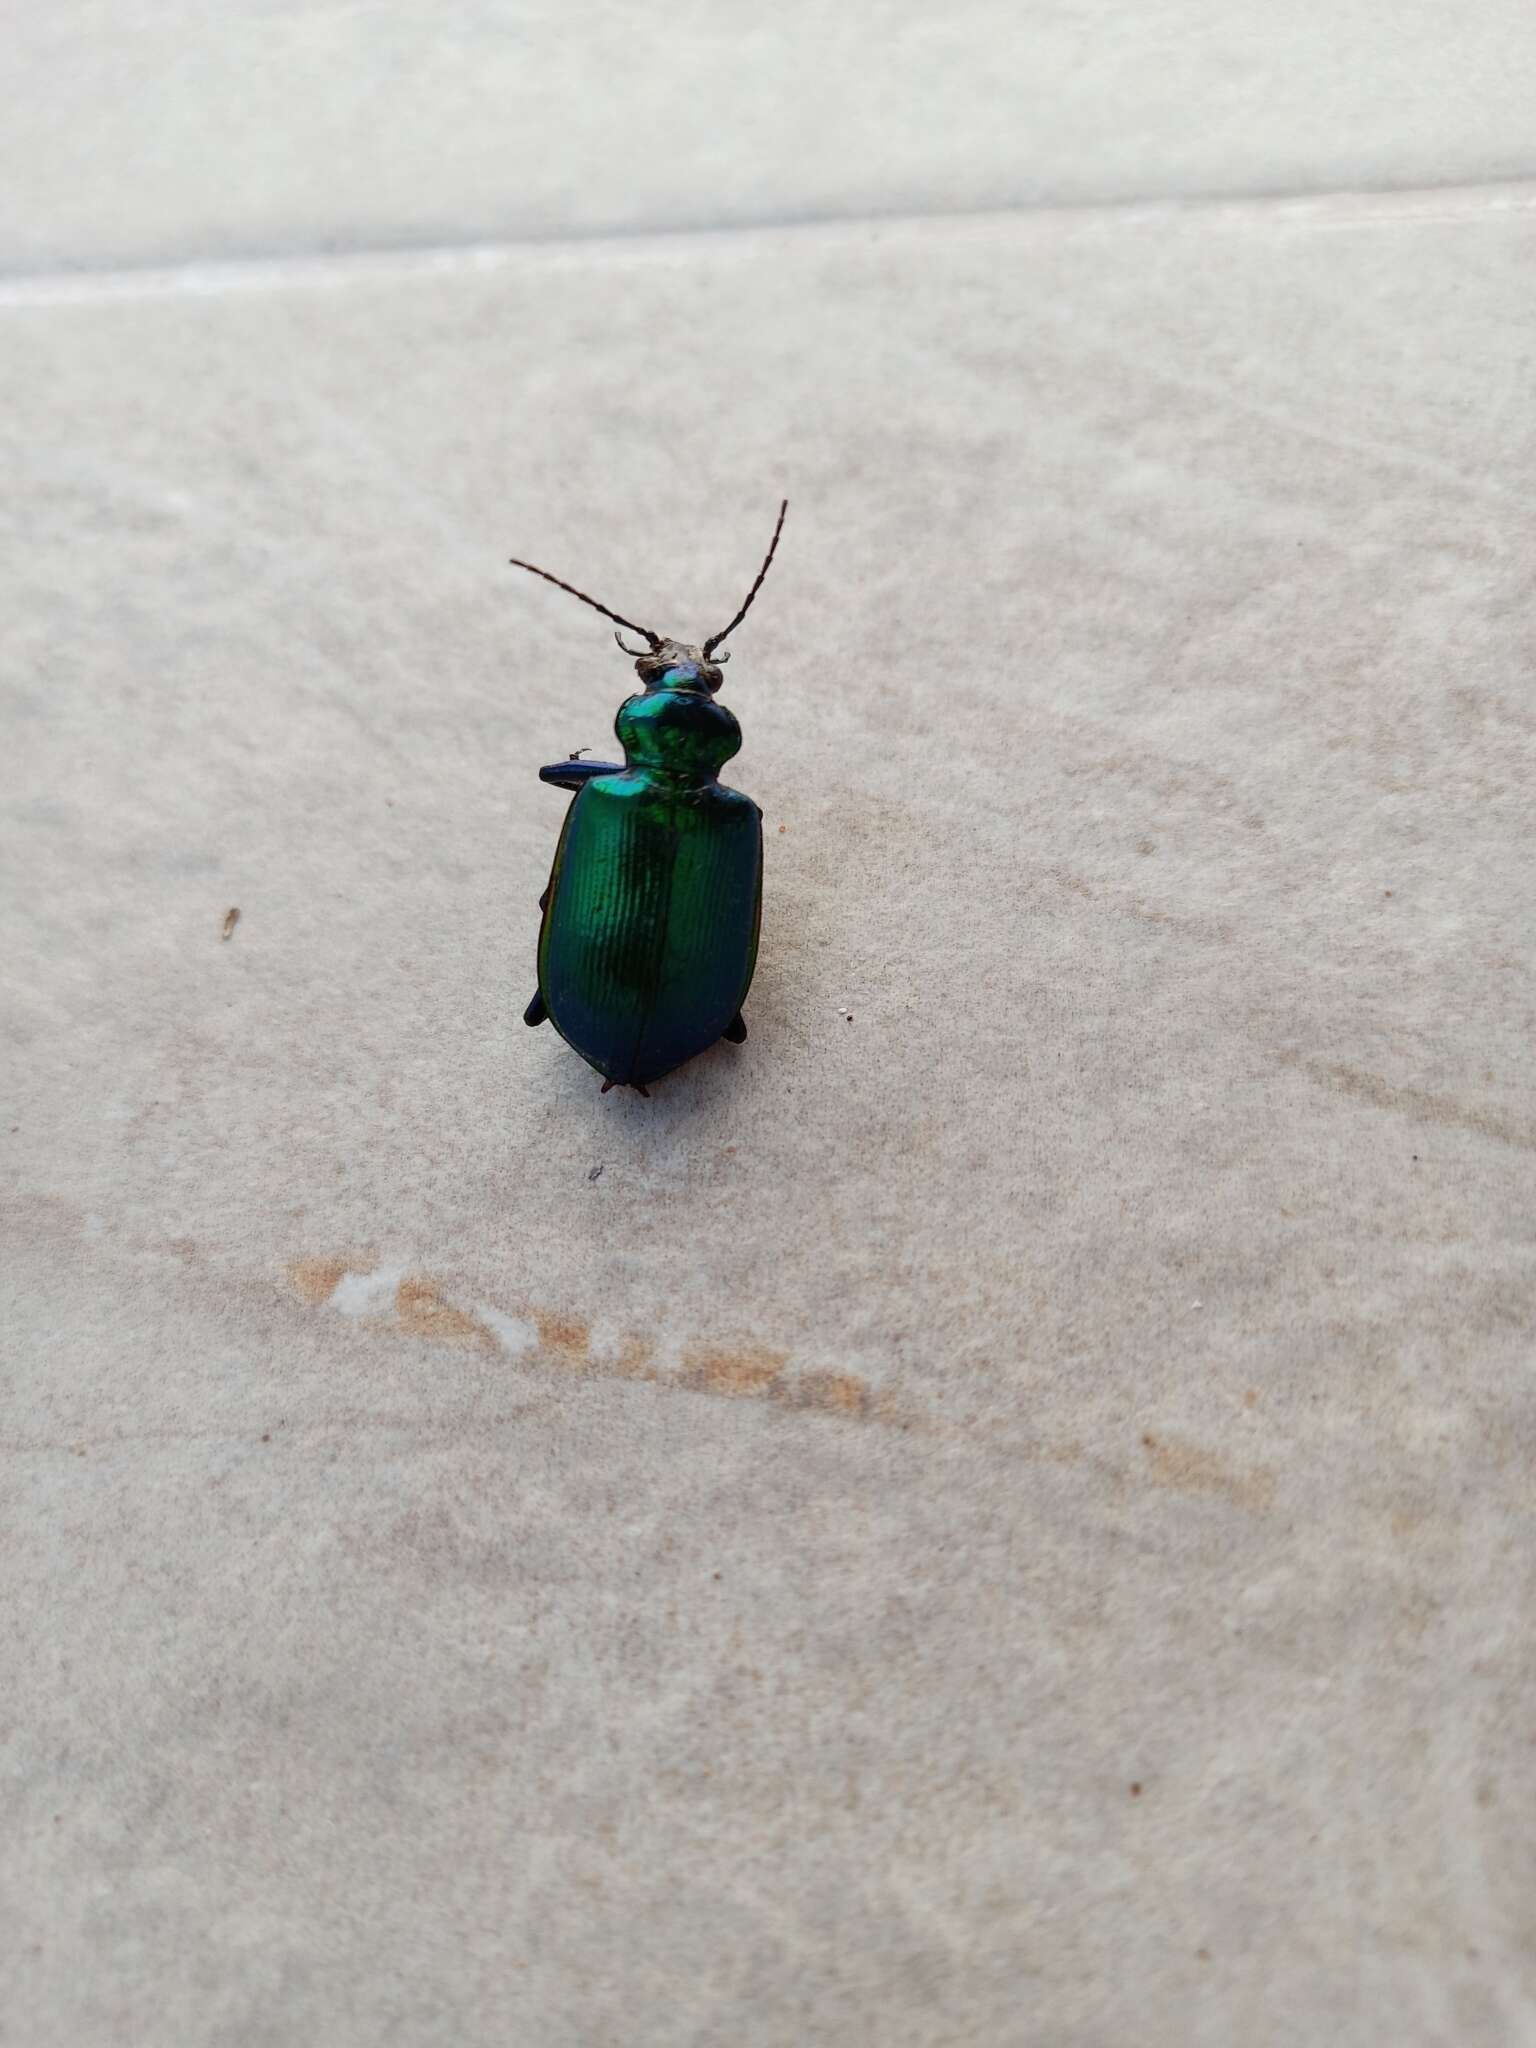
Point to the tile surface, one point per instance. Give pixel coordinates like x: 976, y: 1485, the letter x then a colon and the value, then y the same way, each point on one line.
x: 169, y: 130
x: 1002, y: 1512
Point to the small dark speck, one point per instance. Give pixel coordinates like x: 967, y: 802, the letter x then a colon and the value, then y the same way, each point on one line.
x: 1136, y: 1791
x: 1202, y: 1955
x: 266, y: 1436
x: 850, y: 1016
x: 716, y: 1575
x: 1415, y: 1156
x: 231, y: 919
x: 1386, y: 892
x: 596, y: 1173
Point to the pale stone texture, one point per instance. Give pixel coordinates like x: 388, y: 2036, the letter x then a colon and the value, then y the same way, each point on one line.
x: 1007, y: 1519
x: 172, y: 130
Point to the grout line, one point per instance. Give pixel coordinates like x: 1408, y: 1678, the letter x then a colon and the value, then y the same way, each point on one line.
x: 1324, y: 211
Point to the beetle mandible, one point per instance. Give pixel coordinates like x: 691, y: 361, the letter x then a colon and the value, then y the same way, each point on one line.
x: 651, y: 915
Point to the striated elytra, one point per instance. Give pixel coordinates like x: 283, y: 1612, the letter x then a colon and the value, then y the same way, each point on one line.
x: 651, y: 916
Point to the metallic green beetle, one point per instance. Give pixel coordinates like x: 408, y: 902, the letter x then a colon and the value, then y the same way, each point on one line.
x: 654, y: 901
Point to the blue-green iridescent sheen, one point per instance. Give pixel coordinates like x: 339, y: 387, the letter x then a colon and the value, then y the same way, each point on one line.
x: 650, y: 932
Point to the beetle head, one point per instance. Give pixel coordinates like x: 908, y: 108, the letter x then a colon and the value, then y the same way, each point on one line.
x: 672, y: 664
x: 675, y: 665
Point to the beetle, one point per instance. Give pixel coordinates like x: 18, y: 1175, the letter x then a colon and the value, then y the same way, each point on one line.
x: 651, y: 916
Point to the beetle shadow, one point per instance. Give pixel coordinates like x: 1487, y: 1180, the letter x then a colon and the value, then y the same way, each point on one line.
x: 711, y: 1080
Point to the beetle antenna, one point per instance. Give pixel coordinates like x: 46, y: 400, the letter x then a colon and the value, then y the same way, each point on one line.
x: 652, y: 639
x: 714, y: 640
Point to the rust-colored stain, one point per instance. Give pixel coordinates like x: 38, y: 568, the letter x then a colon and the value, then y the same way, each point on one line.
x: 1190, y: 1468
x: 1421, y: 1104
x: 316, y: 1280
x: 835, y: 1393
x: 421, y: 1311
x: 634, y: 1359
x: 744, y: 1372
x: 565, y: 1337
x: 729, y: 1371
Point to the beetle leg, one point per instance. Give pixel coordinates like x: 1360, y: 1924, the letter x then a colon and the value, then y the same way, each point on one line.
x: 572, y: 774
x: 736, y: 1030
x: 537, y: 1010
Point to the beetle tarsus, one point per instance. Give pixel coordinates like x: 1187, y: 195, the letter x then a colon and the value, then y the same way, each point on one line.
x: 605, y: 1087
x: 537, y: 1010
x: 736, y: 1030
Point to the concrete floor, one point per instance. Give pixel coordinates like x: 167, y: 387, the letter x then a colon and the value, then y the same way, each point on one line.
x: 999, y: 1511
